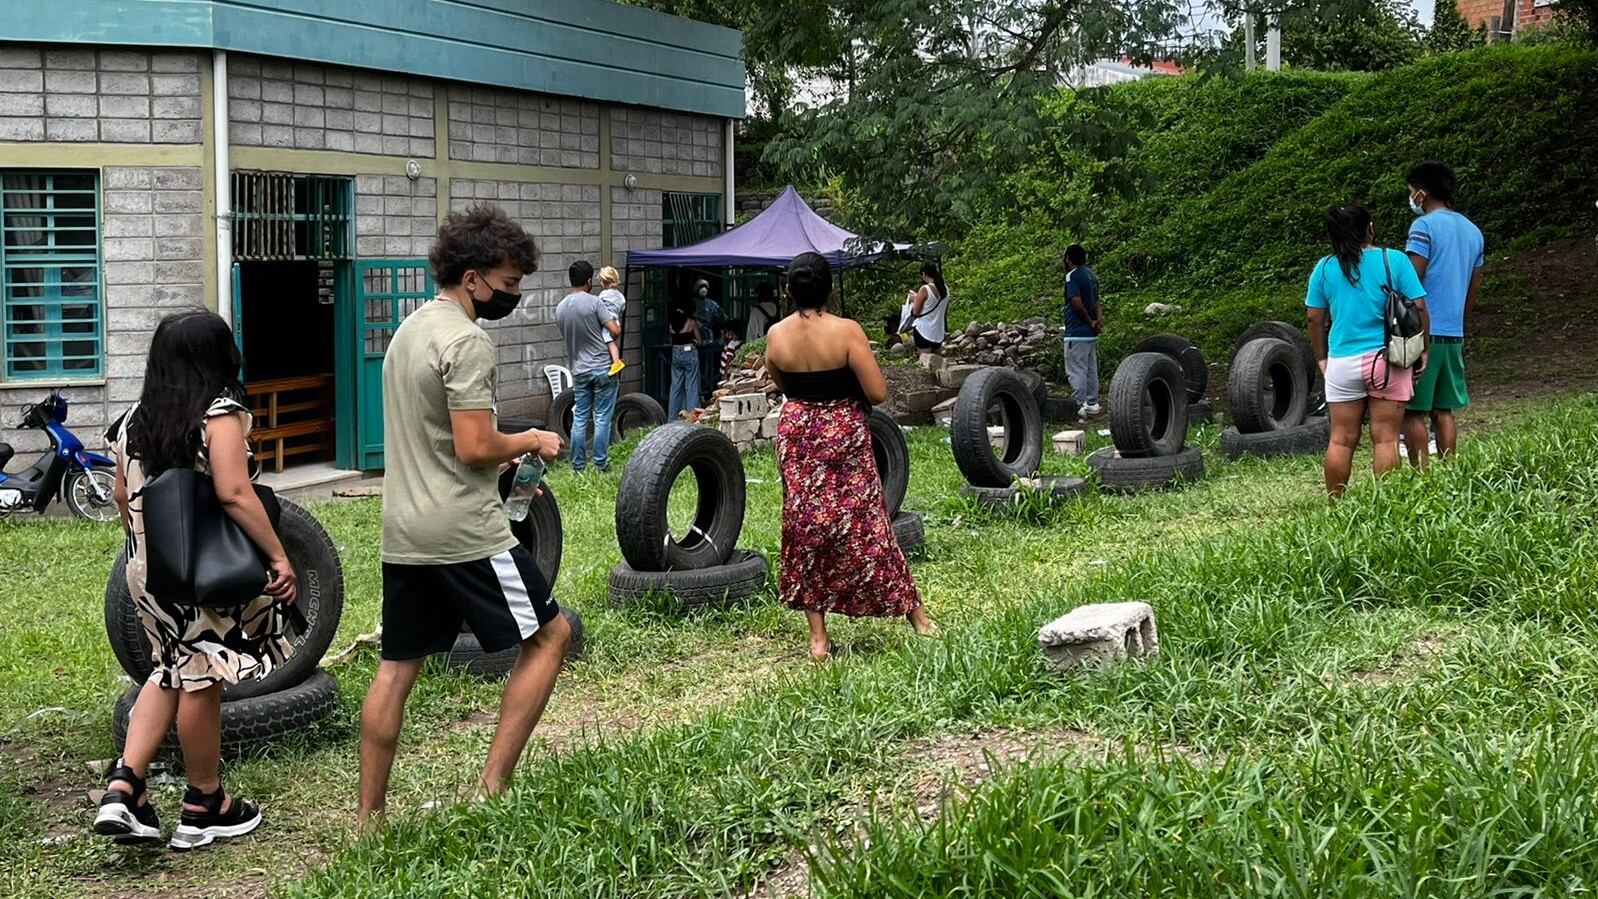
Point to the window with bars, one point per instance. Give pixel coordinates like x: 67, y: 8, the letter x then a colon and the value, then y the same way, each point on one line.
x: 50, y: 292
x: 281, y: 216
x: 689, y: 218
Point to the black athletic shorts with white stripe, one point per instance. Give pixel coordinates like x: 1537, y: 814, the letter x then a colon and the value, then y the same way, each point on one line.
x: 503, y: 598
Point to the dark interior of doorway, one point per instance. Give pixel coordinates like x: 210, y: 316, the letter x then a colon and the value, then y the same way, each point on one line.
x: 287, y: 312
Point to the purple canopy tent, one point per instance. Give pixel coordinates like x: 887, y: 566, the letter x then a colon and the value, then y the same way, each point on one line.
x: 770, y: 240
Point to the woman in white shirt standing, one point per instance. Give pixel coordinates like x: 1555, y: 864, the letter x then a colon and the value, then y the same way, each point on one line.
x: 925, y: 316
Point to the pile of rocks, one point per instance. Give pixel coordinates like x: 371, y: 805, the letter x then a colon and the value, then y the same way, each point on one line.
x: 1028, y: 344
x: 745, y: 406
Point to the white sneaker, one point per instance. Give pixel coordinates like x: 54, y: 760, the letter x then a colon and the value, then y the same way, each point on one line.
x: 1092, y: 409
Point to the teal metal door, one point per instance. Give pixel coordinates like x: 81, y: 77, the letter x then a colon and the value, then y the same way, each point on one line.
x: 238, y: 311
x: 387, y: 290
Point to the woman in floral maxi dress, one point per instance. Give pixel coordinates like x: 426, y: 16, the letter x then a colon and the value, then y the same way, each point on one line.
x: 839, y: 554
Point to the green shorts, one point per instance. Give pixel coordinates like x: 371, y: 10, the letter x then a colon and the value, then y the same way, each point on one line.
x: 1441, y: 387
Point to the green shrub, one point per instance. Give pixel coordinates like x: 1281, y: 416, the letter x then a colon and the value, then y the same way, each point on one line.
x: 1236, y: 177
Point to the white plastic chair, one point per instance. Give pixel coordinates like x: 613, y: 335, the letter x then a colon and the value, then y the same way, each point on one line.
x: 560, y: 379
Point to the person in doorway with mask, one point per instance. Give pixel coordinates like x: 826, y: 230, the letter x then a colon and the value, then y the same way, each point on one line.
x: 448, y: 552
x: 711, y: 320
x: 584, y: 320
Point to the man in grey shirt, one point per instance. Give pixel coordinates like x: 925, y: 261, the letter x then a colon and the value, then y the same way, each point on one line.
x: 583, y: 320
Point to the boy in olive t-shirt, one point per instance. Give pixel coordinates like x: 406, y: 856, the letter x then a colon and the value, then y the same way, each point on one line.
x: 448, y: 553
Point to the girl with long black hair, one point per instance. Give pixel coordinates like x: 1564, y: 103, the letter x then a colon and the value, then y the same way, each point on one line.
x: 190, y: 415
x: 925, y: 316
x: 839, y: 554
x: 1348, y: 287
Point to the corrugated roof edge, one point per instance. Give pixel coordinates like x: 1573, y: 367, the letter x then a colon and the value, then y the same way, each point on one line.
x: 590, y: 49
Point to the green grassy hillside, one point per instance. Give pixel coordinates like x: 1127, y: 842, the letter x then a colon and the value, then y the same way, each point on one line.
x: 1237, y: 176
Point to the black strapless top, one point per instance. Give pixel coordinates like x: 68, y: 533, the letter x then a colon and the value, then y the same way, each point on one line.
x: 823, y: 386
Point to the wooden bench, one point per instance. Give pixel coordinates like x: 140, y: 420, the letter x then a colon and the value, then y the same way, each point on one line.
x: 293, y: 417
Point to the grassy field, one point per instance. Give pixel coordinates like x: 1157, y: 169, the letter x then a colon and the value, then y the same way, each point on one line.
x: 1392, y: 696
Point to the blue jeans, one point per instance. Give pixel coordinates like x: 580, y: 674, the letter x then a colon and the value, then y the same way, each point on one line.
x: 1082, y: 369
x: 684, y: 381
x: 594, y: 395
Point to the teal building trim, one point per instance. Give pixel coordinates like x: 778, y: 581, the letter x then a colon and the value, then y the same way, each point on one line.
x: 590, y: 49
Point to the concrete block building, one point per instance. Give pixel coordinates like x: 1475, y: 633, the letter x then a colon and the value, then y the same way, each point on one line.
x: 287, y: 165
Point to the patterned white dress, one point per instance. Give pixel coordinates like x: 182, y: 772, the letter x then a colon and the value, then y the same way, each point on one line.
x: 193, y: 647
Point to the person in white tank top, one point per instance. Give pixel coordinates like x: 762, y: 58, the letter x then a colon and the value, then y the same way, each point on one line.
x: 925, y: 316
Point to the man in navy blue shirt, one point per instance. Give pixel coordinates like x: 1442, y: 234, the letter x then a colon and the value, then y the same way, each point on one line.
x: 1084, y: 320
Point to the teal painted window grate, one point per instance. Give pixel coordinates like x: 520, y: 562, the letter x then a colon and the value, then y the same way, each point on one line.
x: 389, y: 290
x: 279, y: 216
x: 689, y: 218
x: 50, y: 284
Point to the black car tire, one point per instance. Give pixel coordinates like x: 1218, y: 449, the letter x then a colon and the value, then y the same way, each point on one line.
x: 541, y: 531
x: 248, y: 721
x: 1190, y: 357
x: 467, y: 654
x: 692, y: 590
x: 1200, y: 413
x: 910, y: 532
x: 518, y: 425
x: 560, y: 415
x: 634, y: 412
x: 1309, y: 438
x: 892, y: 452
x: 1294, y: 338
x: 1265, y: 388
x: 1118, y: 474
x: 1062, y: 410
x: 321, y: 601
x: 1023, y: 429
x: 1000, y: 498
x: 1148, y: 406
x: 641, y: 527
x: 1035, y: 385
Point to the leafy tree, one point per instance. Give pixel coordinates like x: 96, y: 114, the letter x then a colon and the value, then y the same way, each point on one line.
x: 1336, y: 35
x: 1582, y: 13
x: 938, y: 99
x: 1450, y: 32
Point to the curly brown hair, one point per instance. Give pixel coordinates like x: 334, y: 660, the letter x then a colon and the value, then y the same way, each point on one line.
x: 481, y: 238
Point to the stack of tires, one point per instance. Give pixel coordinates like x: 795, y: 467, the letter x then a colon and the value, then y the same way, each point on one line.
x: 995, y: 466
x: 892, y: 453
x: 698, y: 569
x: 1149, y: 399
x: 297, y: 694
x: 1270, y: 391
x: 540, y: 532
x: 1195, y: 371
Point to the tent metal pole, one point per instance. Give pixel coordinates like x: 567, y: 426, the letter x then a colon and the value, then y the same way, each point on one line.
x: 843, y: 306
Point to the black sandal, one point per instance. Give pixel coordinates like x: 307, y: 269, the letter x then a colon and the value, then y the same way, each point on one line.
x: 121, y: 816
x: 204, y: 828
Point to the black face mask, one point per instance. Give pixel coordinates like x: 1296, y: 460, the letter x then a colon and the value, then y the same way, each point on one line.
x: 498, y: 305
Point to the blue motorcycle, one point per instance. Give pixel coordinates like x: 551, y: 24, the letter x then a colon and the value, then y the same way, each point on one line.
x: 85, y: 480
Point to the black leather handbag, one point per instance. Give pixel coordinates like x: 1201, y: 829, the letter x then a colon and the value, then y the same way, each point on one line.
x: 197, y: 554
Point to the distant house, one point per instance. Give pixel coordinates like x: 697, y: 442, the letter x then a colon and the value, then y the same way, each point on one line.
x: 1117, y: 71
x: 1512, y: 15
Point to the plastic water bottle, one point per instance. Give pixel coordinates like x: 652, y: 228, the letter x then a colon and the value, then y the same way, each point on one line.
x: 520, y: 499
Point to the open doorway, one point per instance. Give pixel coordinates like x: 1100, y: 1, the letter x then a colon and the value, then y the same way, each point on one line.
x: 287, y: 318
x: 291, y: 240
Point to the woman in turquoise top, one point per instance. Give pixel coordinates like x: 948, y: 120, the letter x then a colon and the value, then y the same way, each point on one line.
x: 1347, y: 288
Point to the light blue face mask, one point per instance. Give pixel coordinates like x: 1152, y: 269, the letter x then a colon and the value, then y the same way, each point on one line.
x: 1416, y: 206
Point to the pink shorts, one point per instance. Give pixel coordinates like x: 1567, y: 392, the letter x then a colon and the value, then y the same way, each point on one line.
x: 1350, y: 378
